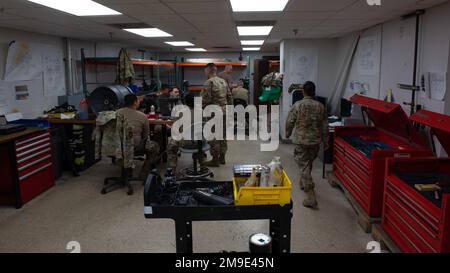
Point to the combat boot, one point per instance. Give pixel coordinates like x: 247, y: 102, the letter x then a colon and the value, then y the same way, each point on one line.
x: 310, y: 201
x: 222, y: 159
x: 214, y: 163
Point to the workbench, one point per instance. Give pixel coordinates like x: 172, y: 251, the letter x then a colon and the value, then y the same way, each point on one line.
x: 26, y: 169
x: 279, y: 217
x: 72, y: 145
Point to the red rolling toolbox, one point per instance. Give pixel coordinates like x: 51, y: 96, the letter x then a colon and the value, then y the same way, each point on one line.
x: 26, y: 168
x: 362, y: 171
x: 419, y: 221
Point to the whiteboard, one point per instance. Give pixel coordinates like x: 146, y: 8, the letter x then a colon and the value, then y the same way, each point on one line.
x: 30, y: 61
x: 364, y: 76
x: 303, y: 65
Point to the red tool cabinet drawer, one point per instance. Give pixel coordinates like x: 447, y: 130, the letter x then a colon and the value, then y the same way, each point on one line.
x: 413, y: 221
x: 33, y: 168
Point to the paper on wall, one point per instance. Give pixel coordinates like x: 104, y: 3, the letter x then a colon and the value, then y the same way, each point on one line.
x: 438, y: 85
x: 368, y: 62
x: 22, y: 64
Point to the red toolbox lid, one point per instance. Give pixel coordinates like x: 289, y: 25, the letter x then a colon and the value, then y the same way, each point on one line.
x: 439, y: 124
x: 390, y: 117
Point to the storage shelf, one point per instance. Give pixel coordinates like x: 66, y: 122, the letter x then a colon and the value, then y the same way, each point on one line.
x: 113, y: 61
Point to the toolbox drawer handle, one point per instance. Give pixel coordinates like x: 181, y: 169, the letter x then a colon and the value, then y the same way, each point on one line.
x: 34, y: 163
x: 392, y: 185
x: 414, y: 218
x: 32, y: 144
x: 394, y: 224
x: 410, y: 227
x: 31, y: 139
x: 34, y: 150
x: 35, y: 172
x: 33, y: 156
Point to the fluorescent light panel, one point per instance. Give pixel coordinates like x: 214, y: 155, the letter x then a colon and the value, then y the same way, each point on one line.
x: 196, y: 49
x: 252, y: 42
x: 251, y: 49
x: 258, y: 5
x: 255, y: 31
x: 77, y: 7
x: 149, y: 32
x: 184, y: 43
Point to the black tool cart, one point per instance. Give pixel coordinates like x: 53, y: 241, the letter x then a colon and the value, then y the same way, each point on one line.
x: 165, y: 200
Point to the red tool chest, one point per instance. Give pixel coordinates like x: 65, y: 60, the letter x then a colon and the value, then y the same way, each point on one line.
x: 417, y: 221
x: 26, y: 169
x: 362, y: 174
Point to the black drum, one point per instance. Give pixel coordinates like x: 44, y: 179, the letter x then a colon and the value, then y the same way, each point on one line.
x: 108, y: 98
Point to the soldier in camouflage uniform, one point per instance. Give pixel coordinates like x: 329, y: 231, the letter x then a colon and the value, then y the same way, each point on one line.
x: 216, y: 92
x: 138, y: 129
x: 307, y: 123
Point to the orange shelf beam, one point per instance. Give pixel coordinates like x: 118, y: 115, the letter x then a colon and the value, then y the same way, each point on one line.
x: 196, y: 89
x: 113, y: 61
x: 239, y: 64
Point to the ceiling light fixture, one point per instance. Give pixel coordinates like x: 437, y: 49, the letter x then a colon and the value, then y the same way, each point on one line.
x: 255, y: 31
x: 196, y: 49
x: 252, y: 42
x: 149, y: 32
x: 258, y: 5
x: 184, y: 43
x: 78, y: 7
x: 251, y: 49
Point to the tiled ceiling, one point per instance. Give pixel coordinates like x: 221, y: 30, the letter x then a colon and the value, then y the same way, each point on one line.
x: 206, y: 23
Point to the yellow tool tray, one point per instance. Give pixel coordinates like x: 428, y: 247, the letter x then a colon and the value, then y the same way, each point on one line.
x: 250, y: 196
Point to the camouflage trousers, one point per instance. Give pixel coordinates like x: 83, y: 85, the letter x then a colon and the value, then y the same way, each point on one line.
x: 218, y: 147
x: 173, y: 148
x: 151, y: 151
x: 304, y: 156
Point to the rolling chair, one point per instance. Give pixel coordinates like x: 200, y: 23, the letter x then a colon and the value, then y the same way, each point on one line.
x: 125, y: 135
x: 197, y: 150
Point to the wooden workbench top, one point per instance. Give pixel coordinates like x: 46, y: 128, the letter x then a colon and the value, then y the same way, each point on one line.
x: 161, y: 121
x: 12, y: 137
x: 71, y: 121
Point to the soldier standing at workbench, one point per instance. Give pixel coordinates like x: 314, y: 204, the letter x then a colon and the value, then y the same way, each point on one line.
x: 216, y: 92
x: 307, y: 122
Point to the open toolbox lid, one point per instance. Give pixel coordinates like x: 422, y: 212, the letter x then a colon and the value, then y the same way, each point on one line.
x: 390, y: 117
x: 439, y: 124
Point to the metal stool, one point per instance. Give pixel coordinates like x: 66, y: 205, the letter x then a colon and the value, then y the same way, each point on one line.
x: 196, y: 171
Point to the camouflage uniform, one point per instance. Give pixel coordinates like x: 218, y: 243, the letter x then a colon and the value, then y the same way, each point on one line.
x: 216, y: 92
x: 125, y: 68
x: 111, y: 129
x: 272, y: 79
x: 308, y: 124
x: 173, y: 148
x: 240, y: 93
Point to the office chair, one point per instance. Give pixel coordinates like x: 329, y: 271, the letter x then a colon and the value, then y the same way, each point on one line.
x: 197, y: 150
x: 127, y: 158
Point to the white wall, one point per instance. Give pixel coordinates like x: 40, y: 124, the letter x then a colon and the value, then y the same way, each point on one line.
x: 435, y: 50
x: 325, y: 75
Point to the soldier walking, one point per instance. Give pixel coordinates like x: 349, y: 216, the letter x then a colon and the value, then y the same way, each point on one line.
x: 307, y: 123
